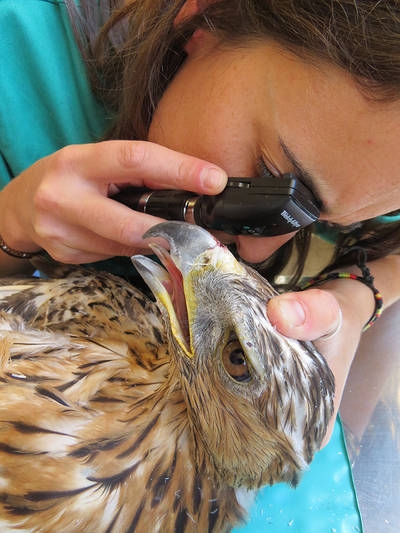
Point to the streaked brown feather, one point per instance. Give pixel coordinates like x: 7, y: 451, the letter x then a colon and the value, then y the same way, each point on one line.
x: 94, y: 433
x: 106, y: 425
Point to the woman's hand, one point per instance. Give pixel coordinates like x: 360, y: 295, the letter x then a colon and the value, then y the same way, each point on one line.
x: 61, y: 202
x: 315, y: 313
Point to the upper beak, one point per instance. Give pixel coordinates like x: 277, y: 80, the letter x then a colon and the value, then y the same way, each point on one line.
x: 186, y: 242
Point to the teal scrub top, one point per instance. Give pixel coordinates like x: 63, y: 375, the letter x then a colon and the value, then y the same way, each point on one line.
x: 45, y: 104
x: 46, y: 101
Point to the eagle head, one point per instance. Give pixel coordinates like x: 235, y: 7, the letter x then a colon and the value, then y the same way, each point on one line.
x: 258, y: 403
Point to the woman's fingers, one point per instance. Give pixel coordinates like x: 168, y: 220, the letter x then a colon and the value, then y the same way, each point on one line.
x: 66, y: 193
x: 70, y: 243
x: 97, y: 214
x: 142, y: 163
x: 307, y: 315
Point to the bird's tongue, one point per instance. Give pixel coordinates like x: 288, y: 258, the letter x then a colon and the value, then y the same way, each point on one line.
x: 174, y: 287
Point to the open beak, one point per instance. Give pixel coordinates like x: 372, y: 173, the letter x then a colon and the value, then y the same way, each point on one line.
x: 171, y: 285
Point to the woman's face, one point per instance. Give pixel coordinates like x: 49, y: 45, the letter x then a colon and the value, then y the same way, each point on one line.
x: 237, y: 106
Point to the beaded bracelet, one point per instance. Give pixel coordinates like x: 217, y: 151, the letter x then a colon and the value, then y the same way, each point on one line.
x: 15, y: 253
x: 366, y: 278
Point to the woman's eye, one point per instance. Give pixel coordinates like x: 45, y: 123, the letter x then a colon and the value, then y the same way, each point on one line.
x: 235, y: 363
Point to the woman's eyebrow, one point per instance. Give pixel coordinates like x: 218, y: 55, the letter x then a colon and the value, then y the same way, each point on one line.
x: 303, y: 174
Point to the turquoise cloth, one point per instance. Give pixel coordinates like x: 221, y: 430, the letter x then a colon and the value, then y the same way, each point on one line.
x: 323, y: 502
x: 45, y: 104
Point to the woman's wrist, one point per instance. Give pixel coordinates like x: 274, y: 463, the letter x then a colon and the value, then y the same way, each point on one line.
x: 361, y: 273
x: 356, y: 300
x: 12, y: 228
x: 13, y: 238
x: 365, y: 278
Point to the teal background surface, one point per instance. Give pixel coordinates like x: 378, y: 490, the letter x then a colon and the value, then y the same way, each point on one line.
x: 323, y: 502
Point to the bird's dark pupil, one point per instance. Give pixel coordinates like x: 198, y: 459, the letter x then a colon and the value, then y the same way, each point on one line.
x: 236, y: 357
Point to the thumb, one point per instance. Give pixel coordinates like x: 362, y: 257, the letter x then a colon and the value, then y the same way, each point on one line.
x: 304, y: 315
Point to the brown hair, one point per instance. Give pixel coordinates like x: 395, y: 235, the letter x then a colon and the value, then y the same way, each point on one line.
x: 133, y: 50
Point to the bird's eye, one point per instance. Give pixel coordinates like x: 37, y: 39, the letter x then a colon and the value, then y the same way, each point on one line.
x: 235, y: 363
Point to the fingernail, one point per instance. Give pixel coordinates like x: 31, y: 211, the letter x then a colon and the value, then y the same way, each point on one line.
x: 293, y: 312
x: 212, y: 179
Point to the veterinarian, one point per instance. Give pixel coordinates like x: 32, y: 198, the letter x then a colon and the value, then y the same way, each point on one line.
x: 207, y: 90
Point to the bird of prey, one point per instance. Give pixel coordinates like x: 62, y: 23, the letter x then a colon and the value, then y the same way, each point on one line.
x: 118, y: 415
